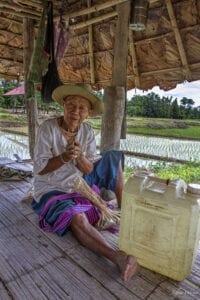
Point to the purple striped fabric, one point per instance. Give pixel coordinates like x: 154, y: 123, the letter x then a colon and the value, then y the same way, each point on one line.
x: 82, y: 204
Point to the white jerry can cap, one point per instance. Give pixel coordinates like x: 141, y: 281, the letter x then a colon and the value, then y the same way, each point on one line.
x: 194, y: 188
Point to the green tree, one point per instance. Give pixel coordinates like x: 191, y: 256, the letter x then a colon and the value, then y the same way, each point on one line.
x: 135, y: 106
x: 186, y: 102
x: 175, y: 114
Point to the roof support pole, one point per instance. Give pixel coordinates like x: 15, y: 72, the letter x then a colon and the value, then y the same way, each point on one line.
x: 31, y: 104
x: 91, y: 50
x: 112, y: 118
x: 115, y: 108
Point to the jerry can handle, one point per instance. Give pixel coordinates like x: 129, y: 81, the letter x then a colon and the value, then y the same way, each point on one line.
x: 180, y: 187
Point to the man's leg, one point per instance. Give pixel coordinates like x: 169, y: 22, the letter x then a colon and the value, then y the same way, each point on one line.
x: 89, y: 237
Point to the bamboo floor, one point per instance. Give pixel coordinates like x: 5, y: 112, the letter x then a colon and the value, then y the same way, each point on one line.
x: 38, y: 265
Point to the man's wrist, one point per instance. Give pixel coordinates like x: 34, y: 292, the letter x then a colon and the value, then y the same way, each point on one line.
x: 62, y: 158
x: 80, y: 157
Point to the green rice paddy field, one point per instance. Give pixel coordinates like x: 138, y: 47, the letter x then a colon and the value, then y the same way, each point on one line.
x: 179, y: 129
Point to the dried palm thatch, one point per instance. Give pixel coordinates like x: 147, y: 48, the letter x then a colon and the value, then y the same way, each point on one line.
x: 166, y: 53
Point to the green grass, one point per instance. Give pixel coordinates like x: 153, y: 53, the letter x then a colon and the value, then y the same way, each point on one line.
x: 192, y: 132
x: 142, y: 126
x: 6, y: 116
x: 18, y: 130
x: 189, y: 172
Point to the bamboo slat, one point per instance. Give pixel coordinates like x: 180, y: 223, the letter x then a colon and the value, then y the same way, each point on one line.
x: 134, y: 60
x: 93, y: 21
x: 90, y: 48
x: 178, y: 39
x: 94, y: 8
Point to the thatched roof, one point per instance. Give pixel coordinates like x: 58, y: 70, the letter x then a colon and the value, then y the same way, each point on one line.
x: 166, y: 53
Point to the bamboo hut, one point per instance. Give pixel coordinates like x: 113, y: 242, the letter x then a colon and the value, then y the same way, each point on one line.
x: 107, y: 47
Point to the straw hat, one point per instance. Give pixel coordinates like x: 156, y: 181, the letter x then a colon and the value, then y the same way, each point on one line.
x: 82, y: 90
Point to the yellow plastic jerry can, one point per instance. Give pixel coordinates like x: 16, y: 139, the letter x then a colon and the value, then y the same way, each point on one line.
x: 160, y: 224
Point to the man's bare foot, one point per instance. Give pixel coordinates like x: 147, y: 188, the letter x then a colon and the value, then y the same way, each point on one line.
x: 128, y: 265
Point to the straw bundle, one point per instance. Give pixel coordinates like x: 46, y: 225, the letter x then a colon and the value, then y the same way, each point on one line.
x: 108, y: 217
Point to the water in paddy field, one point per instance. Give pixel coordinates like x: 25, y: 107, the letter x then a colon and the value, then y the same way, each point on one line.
x: 166, y: 147
x: 11, y: 144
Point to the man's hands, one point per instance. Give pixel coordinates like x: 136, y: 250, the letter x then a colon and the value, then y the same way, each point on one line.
x: 73, y: 151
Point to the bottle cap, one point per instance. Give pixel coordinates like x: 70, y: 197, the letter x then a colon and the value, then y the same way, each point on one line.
x: 194, y: 188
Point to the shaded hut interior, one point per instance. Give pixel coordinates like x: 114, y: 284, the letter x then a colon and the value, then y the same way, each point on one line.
x: 166, y: 53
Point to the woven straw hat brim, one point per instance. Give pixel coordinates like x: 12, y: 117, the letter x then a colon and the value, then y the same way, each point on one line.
x: 63, y: 91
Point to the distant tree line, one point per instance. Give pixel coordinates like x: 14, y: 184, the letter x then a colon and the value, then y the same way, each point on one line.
x: 153, y: 106
x: 149, y: 106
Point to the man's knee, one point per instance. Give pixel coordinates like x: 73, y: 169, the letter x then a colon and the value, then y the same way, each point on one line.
x: 79, y: 221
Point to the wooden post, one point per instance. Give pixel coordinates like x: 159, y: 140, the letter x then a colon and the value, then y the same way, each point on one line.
x: 121, y: 45
x: 112, y: 118
x: 119, y: 77
x: 31, y: 104
x: 91, y: 48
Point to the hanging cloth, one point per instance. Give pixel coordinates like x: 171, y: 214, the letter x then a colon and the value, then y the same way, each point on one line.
x: 61, y: 36
x: 51, y: 79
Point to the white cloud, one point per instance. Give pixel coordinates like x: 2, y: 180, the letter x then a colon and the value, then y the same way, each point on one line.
x: 189, y: 90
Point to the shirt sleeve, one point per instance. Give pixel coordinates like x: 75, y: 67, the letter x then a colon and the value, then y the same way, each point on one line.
x: 43, y: 147
x: 90, y: 151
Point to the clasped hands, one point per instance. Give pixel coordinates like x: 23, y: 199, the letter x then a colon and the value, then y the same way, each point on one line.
x: 73, y: 151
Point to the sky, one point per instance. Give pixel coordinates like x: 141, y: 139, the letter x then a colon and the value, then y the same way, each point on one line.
x: 189, y: 90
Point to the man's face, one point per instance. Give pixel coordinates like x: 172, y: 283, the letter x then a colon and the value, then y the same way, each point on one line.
x: 76, y: 109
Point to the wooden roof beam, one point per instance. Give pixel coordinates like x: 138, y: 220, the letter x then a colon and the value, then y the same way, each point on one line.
x: 91, y: 50
x: 134, y: 59
x: 147, y: 40
x: 178, y: 39
x: 156, y: 72
x: 192, y: 66
x: 93, y: 21
x: 93, y: 8
x: 164, y: 35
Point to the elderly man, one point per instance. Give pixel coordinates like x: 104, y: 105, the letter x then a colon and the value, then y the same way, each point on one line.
x: 66, y: 148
